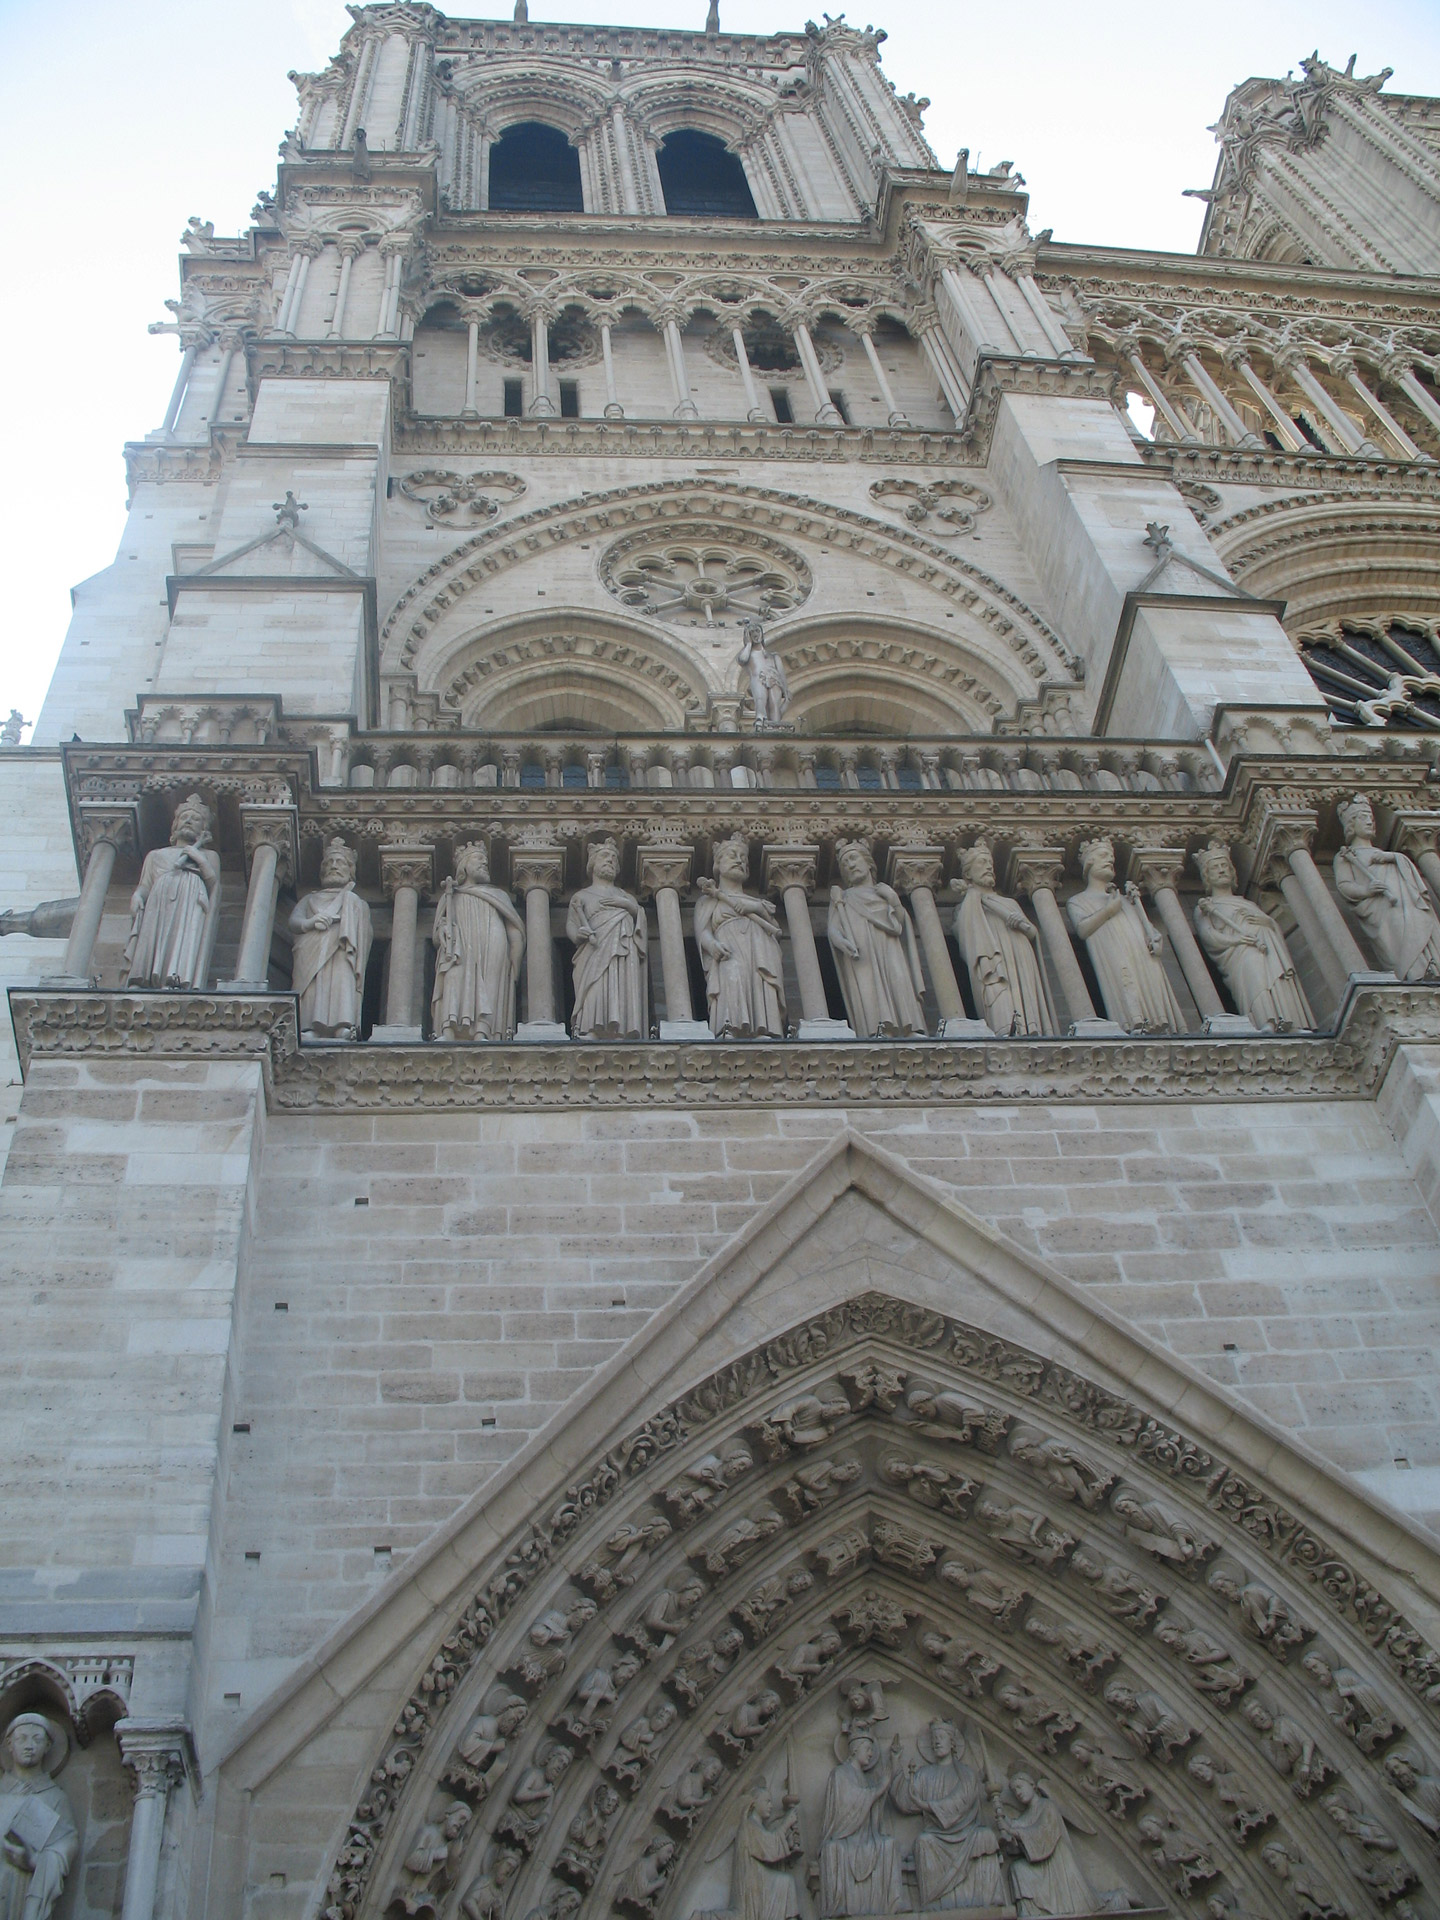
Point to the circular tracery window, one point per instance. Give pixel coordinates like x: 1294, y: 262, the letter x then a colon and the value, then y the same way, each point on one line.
x: 689, y: 577
x: 1380, y: 673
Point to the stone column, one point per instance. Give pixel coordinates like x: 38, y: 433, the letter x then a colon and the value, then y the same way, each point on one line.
x: 790, y: 872
x: 182, y: 381
x: 1237, y: 356
x: 827, y: 414
x: 272, y: 847
x: 613, y: 408
x: 393, y: 249
x: 1417, y: 835
x: 349, y: 247
x: 405, y: 873
x: 289, y: 313
x: 1283, y: 859
x: 1399, y: 369
x: 1220, y: 406
x: 663, y: 871
x: 156, y: 1753
x: 685, y: 407
x: 928, y: 329
x: 917, y: 871
x: 102, y: 833
x: 1038, y: 871
x: 1344, y: 368
x: 753, y: 408
x: 896, y: 415
x: 1182, y: 427
x: 472, y: 367
x: 538, y: 872
x: 1158, y: 871
x: 1292, y: 361
x: 541, y: 405
x: 1051, y: 328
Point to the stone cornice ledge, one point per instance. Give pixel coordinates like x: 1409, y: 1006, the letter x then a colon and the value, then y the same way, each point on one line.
x: 1349, y: 1063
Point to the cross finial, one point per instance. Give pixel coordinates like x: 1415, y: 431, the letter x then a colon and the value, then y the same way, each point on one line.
x: 289, y: 510
x: 1157, y: 538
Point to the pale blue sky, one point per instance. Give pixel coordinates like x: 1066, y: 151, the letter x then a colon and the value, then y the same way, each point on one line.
x: 119, y: 120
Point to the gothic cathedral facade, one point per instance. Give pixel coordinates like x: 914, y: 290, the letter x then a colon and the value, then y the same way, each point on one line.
x: 765, y: 1242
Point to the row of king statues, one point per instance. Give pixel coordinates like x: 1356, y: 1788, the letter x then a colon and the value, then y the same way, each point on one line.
x: 480, y: 941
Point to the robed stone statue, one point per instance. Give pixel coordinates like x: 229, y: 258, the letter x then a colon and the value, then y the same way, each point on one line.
x: 479, y: 944
x: 38, y: 1840
x: 607, y: 928
x: 872, y: 940
x: 999, y: 944
x: 957, y: 1854
x: 860, y: 1866
x: 761, y: 1886
x: 1124, y: 948
x: 738, y: 937
x: 1044, y: 1871
x: 172, y: 925
x: 1389, y: 897
x: 332, y: 945
x: 1249, y: 949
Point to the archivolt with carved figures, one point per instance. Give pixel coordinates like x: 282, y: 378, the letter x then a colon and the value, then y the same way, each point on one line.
x: 903, y: 1612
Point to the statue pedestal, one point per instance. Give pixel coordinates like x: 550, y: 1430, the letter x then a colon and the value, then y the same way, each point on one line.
x: 1228, y: 1026
x: 540, y: 1033
x: 671, y: 1030
x: 68, y: 982
x: 386, y: 1036
x: 242, y: 986
x: 824, y: 1030
x: 958, y: 1027
x: 1097, y: 1029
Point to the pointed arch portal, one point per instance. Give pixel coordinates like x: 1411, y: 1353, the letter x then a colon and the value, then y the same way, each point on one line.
x: 684, y: 1689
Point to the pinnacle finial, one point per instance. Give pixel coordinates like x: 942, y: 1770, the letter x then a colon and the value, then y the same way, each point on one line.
x: 712, y: 18
x: 522, y: 13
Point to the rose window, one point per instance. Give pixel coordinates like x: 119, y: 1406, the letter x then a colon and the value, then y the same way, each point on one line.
x: 705, y: 582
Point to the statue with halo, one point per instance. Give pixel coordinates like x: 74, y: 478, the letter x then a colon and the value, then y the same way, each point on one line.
x: 39, y: 1841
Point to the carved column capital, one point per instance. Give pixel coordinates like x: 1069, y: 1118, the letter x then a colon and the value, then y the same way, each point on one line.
x: 783, y: 867
x: 1153, y: 867
x: 407, y: 866
x: 160, y: 1753
x: 907, y: 868
x: 97, y: 820
x: 537, y: 869
x: 272, y: 826
x: 662, y: 866
x: 1281, y: 833
x: 1414, y: 833
x: 1031, y: 867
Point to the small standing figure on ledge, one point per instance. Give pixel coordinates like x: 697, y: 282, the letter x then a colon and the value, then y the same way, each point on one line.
x: 1248, y: 948
x: 332, y: 945
x: 738, y: 936
x: 11, y: 731
x: 40, y: 1841
x: 873, y: 940
x: 607, y: 927
x: 172, y: 928
x: 999, y: 944
x: 479, y: 944
x: 1124, y: 948
x: 769, y: 689
x: 1390, y: 898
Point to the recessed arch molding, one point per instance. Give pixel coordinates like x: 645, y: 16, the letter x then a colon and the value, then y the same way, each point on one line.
x: 882, y: 1519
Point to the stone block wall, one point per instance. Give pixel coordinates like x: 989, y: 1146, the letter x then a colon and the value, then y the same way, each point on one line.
x: 426, y: 1292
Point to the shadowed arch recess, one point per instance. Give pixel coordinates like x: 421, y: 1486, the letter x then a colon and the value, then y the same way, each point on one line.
x: 886, y: 1517
x: 535, y: 674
